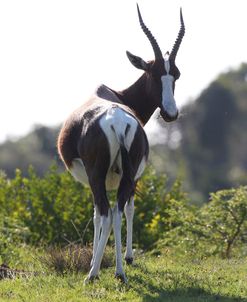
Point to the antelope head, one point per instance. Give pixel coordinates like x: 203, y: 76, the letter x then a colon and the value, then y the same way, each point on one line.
x: 161, y: 72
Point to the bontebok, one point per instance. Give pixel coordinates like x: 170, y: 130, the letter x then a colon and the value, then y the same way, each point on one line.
x: 103, y: 143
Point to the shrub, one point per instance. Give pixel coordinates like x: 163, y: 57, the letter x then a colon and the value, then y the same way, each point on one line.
x: 158, y: 209
x: 216, y: 228
x: 12, y: 234
x: 225, y: 219
x: 57, y: 209
x: 53, y: 208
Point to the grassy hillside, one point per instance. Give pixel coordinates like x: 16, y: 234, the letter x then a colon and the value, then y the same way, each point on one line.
x: 164, y: 278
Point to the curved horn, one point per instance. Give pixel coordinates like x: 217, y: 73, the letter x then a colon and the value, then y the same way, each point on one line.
x: 179, y: 38
x: 147, y: 32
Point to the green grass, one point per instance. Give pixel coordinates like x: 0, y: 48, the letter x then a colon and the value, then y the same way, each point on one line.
x: 165, y: 278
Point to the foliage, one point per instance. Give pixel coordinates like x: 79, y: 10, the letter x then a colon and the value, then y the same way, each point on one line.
x: 55, y: 209
x: 158, y: 209
x: 212, y: 129
x: 37, y: 148
x: 12, y: 234
x: 225, y: 219
x: 216, y: 228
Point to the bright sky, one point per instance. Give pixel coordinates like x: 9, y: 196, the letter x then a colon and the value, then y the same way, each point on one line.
x: 53, y: 53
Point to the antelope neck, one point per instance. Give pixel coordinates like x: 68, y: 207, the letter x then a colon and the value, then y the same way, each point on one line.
x: 137, y: 98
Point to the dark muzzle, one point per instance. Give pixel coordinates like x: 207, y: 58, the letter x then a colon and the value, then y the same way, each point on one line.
x: 168, y: 118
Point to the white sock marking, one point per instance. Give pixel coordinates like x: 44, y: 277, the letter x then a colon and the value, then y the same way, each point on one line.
x: 97, y: 227
x: 106, y: 223
x: 117, y: 219
x: 129, y: 213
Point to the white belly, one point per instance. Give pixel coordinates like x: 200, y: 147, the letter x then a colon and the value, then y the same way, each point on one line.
x: 112, y: 180
x: 78, y: 171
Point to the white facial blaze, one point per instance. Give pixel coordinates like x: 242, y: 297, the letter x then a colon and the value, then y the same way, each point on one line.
x: 168, y: 101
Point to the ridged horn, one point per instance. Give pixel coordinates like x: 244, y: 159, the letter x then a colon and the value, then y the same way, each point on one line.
x: 179, y: 38
x: 147, y: 32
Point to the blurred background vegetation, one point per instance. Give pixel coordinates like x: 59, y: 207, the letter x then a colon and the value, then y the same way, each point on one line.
x: 202, y: 154
x: 207, y: 146
x: 55, y: 210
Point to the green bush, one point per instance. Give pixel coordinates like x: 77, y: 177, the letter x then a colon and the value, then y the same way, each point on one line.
x: 158, y: 209
x: 225, y: 220
x: 12, y: 234
x: 218, y: 228
x: 55, y: 209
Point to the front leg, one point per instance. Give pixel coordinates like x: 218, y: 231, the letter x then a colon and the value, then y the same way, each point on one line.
x: 117, y: 219
x: 129, y: 213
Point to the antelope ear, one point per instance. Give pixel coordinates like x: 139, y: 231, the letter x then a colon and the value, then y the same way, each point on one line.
x: 137, y: 61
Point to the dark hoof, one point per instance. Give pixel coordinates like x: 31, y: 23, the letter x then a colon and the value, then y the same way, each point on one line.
x: 91, y: 279
x: 129, y: 261
x: 121, y: 277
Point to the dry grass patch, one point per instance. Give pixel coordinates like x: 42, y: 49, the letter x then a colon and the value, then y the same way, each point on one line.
x: 73, y: 258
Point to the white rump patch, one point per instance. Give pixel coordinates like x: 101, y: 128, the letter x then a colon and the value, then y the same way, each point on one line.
x: 117, y: 124
x: 114, y: 124
x: 117, y: 119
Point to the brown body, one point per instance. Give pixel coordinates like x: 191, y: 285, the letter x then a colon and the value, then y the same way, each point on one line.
x: 83, y: 138
x: 103, y: 144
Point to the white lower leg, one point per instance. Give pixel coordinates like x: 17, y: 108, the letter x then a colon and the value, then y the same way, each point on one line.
x: 97, y: 226
x: 117, y: 219
x: 129, y: 213
x: 106, y: 223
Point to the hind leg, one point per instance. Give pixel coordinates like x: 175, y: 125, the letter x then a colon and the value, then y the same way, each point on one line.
x: 106, y: 229
x: 97, y: 227
x: 104, y: 214
x: 129, y: 213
